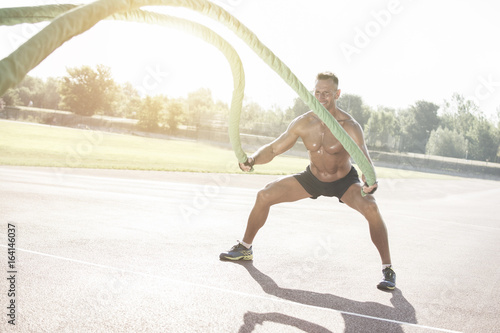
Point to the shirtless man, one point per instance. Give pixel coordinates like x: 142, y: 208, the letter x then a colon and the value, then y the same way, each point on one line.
x: 330, y: 173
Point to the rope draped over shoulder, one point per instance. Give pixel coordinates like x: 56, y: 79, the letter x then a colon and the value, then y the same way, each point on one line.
x: 74, y: 20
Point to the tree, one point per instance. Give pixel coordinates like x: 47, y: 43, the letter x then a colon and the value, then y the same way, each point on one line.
x: 173, y: 115
x: 459, y: 114
x: 30, y: 91
x: 11, y: 97
x: 222, y: 112
x: 251, y: 116
x: 498, y: 118
x: 273, y: 122
x: 200, y: 107
x: 33, y: 91
x: 298, y: 108
x: 353, y: 104
x: 446, y: 142
x: 86, y: 91
x: 149, y: 117
x: 381, y: 127
x: 50, y: 94
x: 483, y: 141
x: 417, y: 123
x: 465, y: 117
x: 128, y: 102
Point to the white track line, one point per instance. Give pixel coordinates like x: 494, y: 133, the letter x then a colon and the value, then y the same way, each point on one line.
x: 233, y: 291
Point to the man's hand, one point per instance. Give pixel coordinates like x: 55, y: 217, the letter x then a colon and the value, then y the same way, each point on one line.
x: 248, y: 165
x: 368, y: 189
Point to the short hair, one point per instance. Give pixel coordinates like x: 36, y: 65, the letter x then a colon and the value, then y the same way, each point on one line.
x: 328, y: 76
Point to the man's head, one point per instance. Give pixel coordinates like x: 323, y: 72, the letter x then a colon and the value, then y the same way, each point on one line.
x: 328, y: 76
x: 326, y: 90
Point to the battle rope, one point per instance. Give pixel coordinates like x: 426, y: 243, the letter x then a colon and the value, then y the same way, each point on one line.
x: 82, y: 18
x: 12, y: 16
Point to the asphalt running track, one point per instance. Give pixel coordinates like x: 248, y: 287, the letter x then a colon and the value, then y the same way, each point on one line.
x: 137, y: 251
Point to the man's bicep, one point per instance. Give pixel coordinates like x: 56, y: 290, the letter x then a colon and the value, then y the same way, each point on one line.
x: 286, y: 140
x: 356, y: 133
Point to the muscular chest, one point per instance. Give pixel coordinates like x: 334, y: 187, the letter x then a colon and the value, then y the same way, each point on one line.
x: 320, y: 140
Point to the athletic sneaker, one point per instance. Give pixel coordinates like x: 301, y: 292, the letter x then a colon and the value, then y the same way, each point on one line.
x: 388, y: 281
x: 237, y: 252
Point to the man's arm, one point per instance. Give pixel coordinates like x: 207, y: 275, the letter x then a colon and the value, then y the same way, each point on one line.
x: 353, y: 128
x: 266, y: 153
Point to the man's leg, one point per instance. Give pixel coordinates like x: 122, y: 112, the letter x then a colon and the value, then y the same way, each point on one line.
x: 367, y: 206
x: 285, y: 189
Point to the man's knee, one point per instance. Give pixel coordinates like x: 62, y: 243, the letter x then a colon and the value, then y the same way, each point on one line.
x: 370, y: 207
x: 264, y: 196
x: 271, y: 193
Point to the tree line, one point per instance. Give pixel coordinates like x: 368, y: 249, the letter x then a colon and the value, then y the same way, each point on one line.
x: 459, y: 129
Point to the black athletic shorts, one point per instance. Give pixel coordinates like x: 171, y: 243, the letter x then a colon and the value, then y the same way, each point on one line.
x: 316, y: 187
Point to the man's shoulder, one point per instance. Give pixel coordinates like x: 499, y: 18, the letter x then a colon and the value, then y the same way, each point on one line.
x: 310, y: 118
x: 303, y: 123
x: 305, y: 114
x: 352, y: 127
x: 305, y: 118
x: 346, y: 119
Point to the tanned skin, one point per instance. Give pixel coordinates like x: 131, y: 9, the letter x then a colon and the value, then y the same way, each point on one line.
x: 329, y: 161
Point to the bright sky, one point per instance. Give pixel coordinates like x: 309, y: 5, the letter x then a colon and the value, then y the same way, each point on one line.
x: 390, y: 52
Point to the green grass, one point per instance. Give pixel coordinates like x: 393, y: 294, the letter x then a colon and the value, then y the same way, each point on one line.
x: 26, y: 144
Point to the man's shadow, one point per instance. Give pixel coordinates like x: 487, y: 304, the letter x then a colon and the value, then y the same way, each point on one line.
x: 356, y: 314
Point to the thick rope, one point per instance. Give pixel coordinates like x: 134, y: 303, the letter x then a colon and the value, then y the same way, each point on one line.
x: 75, y: 21
x: 228, y: 51
x: 12, y: 16
x: 84, y: 17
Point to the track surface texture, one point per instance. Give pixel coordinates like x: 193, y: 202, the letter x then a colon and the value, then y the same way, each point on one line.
x: 138, y: 251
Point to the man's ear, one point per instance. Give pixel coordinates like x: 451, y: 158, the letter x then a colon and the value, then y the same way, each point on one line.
x: 337, y: 95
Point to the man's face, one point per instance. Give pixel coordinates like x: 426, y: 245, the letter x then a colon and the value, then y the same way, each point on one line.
x: 326, y: 93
